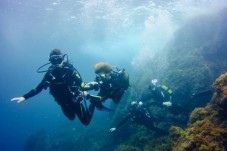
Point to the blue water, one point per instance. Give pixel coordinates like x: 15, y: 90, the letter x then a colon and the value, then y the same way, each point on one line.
x: 123, y: 32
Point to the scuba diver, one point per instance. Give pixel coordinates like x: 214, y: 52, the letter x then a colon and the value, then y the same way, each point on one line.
x: 66, y: 86
x: 159, y: 95
x: 112, y: 83
x: 139, y: 114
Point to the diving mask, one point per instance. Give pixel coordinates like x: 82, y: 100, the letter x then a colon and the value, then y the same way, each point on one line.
x: 56, y: 59
x: 104, y: 77
x: 133, y: 105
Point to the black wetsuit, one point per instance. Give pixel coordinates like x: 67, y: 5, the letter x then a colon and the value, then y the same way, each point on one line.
x: 113, y: 88
x: 156, y: 95
x: 65, y: 85
x: 139, y: 115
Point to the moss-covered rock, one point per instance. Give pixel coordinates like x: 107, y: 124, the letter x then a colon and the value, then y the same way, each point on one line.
x: 201, y: 113
x: 220, y: 96
x: 206, y: 132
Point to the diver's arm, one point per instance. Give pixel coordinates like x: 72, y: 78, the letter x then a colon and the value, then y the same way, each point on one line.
x: 88, y: 86
x: 35, y: 91
x: 31, y: 93
x: 18, y: 99
x: 168, y: 102
x: 91, y: 85
x: 78, y: 79
x: 170, y: 95
x: 146, y: 95
x: 122, y: 122
x: 151, y: 102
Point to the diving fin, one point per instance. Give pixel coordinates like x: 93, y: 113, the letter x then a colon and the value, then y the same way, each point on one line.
x: 101, y: 107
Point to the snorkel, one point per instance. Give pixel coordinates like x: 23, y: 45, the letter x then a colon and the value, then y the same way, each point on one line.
x: 56, y: 61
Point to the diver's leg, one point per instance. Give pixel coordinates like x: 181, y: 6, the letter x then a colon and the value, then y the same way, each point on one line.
x: 98, y: 105
x: 96, y: 101
x: 104, y: 95
x: 91, y: 108
x: 117, y: 96
x: 68, y: 112
x: 83, y: 115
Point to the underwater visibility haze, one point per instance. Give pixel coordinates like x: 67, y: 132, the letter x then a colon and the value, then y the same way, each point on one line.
x: 182, y: 43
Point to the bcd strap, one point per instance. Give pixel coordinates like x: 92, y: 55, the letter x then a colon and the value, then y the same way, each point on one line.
x: 167, y: 89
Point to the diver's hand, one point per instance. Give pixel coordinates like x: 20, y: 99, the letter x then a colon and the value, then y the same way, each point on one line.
x: 93, y: 85
x: 167, y: 104
x: 19, y: 99
x: 84, y: 93
x: 112, y: 129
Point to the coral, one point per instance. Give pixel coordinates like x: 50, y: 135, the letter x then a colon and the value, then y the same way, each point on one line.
x: 207, y: 128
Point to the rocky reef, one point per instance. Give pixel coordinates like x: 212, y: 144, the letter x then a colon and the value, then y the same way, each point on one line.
x: 207, y: 128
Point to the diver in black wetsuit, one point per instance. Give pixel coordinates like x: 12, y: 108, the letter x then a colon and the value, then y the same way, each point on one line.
x: 161, y: 96
x: 157, y: 94
x: 112, y: 83
x: 139, y: 114
x: 66, y: 86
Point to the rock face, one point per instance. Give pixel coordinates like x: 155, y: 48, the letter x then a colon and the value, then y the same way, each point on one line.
x: 195, y: 57
x: 220, y: 96
x: 207, y: 129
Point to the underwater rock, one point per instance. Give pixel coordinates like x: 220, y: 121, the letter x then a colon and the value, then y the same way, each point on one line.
x: 201, y: 113
x: 127, y: 148
x: 207, y: 128
x: 220, y: 96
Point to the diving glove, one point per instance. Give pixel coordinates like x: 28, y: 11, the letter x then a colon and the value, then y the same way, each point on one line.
x: 19, y: 99
x: 112, y: 129
x: 167, y: 104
